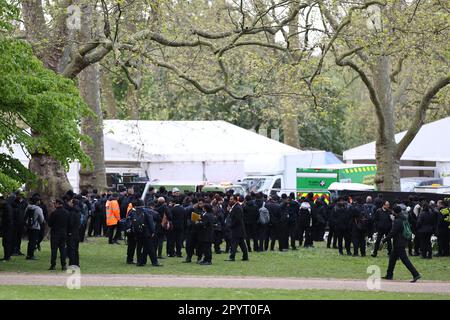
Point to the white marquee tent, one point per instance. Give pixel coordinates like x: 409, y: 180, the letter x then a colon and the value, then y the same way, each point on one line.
x: 430, y: 144
x: 178, y: 150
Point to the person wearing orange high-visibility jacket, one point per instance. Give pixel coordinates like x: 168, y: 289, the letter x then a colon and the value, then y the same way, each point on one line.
x: 113, y: 218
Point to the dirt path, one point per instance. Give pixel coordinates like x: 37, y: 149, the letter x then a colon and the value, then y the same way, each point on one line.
x: 140, y: 280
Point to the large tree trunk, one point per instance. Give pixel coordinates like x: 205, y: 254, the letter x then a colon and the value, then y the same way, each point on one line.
x: 388, y: 170
x: 290, y: 123
x: 89, y: 85
x: 51, y: 176
x: 108, y: 100
x: 132, y: 101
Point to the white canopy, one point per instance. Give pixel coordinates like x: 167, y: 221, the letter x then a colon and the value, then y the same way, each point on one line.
x: 170, y: 141
x: 430, y: 144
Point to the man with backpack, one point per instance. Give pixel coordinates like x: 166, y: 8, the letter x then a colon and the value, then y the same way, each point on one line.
x: 400, y: 233
x: 250, y: 222
x: 360, y: 222
x: 262, y: 223
x: 142, y: 227
x: 34, y: 218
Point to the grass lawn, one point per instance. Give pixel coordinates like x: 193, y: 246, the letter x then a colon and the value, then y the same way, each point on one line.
x: 128, y: 293
x: 96, y: 256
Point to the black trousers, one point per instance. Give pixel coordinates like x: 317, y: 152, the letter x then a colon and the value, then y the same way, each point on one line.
x: 332, y: 237
x: 305, y: 231
x: 111, y: 236
x: 443, y: 242
x: 82, y: 231
x: 58, y: 242
x: 7, y: 242
x: 146, y: 247
x: 160, y: 242
x: 319, y: 232
x: 206, y: 251
x: 400, y: 253
x: 359, y: 242
x: 251, y: 231
x: 234, y: 244
x: 293, y: 233
x: 33, y: 237
x: 174, y: 242
x: 343, y: 235
x: 217, y: 240
x: 416, y: 243
x: 381, y: 233
x: 192, y: 245
x: 425, y: 244
x: 72, y: 251
x: 17, y: 237
x: 41, y: 234
x: 131, y: 246
x: 263, y: 237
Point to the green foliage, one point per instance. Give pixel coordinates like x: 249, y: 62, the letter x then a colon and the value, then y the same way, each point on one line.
x: 39, y: 110
x: 9, y: 11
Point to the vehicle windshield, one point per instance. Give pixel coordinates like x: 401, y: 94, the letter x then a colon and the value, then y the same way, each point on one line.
x: 255, y: 184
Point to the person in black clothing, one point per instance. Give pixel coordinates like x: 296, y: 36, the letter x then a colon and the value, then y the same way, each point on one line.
x: 237, y: 229
x: 369, y: 209
x: 274, y: 225
x: 412, y: 219
x: 443, y: 230
x: 332, y: 226
x: 343, y: 219
x: 42, y: 230
x: 192, y: 241
x: 145, y: 235
x: 206, y: 234
x: 73, y: 237
x: 383, y: 224
x: 161, y: 233
x: 131, y: 237
x: 425, y: 228
x: 175, y: 236
x: 293, y: 209
x: 7, y: 227
x: 218, y: 222
x: 262, y: 229
x: 360, y: 222
x: 59, y: 227
x: 250, y: 222
x: 305, y: 223
x: 19, y: 205
x: 399, y: 249
x: 321, y: 217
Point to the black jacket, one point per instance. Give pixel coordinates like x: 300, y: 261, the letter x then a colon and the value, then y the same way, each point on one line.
x: 397, y: 233
x: 382, y: 219
x: 237, y: 222
x: 59, y: 222
x: 74, y: 222
x: 275, y: 212
x: 205, y: 228
x: 250, y: 212
x: 426, y: 222
x: 178, y: 217
x: 6, y: 215
x: 342, y: 218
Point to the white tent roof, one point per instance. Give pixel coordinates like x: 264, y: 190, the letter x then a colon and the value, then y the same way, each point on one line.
x: 428, y: 145
x: 166, y: 141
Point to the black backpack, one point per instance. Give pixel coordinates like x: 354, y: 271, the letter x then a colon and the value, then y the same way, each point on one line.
x: 137, y: 222
x: 29, y: 218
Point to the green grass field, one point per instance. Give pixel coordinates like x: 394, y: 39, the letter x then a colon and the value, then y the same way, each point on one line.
x: 96, y: 256
x: 128, y: 293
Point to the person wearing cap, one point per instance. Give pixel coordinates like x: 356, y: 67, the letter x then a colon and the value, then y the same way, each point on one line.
x: 59, y: 228
x: 399, y: 247
x: 7, y: 228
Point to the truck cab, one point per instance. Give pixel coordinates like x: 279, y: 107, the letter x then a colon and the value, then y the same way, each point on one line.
x: 266, y: 184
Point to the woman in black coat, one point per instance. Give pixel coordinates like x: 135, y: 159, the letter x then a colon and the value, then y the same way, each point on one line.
x: 425, y: 228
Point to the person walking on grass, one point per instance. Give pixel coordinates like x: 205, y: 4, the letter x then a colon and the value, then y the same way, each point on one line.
x: 400, y: 238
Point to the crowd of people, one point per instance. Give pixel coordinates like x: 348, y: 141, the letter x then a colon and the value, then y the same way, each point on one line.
x: 199, y: 223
